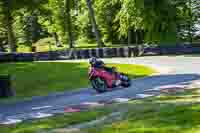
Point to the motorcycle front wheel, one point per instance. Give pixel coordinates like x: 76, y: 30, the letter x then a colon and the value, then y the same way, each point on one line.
x: 99, y: 85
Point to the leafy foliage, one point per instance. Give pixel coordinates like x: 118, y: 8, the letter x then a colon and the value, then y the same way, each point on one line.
x: 159, y: 21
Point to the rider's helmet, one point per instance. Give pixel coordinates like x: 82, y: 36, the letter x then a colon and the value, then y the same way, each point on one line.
x: 92, y: 60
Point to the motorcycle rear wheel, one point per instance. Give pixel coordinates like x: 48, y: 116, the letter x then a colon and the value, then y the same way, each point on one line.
x: 126, y: 84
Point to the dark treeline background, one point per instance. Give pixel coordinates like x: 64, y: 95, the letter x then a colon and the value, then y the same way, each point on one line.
x: 70, y: 23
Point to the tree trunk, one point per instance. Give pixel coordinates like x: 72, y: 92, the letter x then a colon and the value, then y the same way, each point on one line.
x: 109, y: 27
x: 110, y: 32
x: 55, y: 35
x: 129, y: 36
x: 109, y: 22
x: 136, y: 37
x: 141, y: 37
x: 190, y: 23
x: 10, y: 33
x: 57, y: 42
x: 34, y: 26
x: 94, y: 24
x: 76, y: 4
x: 69, y: 24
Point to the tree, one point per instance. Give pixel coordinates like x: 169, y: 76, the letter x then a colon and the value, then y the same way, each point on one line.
x: 54, y: 21
x: 105, y: 12
x: 155, y: 18
x: 68, y: 23
x: 187, y: 19
x: 194, y: 14
x: 31, y: 29
x: 94, y: 24
x: 59, y: 21
x: 8, y: 8
x: 3, y: 38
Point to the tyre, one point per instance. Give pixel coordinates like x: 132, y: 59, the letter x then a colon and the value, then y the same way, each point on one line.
x: 99, y: 85
x: 126, y: 84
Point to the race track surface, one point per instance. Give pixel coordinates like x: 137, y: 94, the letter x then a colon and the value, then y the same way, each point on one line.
x: 175, y: 72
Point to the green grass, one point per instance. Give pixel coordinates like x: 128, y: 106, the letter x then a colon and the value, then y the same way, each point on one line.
x: 54, y: 122
x: 43, y: 78
x: 151, y: 115
x: 158, y: 115
x: 153, y: 119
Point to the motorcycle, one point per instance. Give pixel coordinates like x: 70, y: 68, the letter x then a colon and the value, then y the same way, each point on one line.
x: 103, y: 80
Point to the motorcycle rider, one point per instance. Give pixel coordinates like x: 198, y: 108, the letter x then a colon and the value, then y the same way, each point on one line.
x: 99, y: 64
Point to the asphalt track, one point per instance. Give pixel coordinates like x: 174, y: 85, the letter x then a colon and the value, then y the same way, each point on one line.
x: 175, y: 71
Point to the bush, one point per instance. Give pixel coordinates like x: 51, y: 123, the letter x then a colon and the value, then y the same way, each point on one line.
x: 44, y: 42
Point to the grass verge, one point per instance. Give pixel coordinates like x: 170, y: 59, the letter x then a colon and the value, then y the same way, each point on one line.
x: 152, y: 115
x: 43, y: 78
x: 165, y: 114
x: 35, y: 126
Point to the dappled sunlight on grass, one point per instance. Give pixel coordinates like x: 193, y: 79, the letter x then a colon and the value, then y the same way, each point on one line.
x: 154, y: 118
x: 143, y: 116
x: 58, y: 121
x: 189, y: 96
x: 158, y: 115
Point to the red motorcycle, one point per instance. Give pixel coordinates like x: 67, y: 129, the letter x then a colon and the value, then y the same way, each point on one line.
x: 103, y: 80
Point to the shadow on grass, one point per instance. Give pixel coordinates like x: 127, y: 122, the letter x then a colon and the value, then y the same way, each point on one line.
x: 152, y: 117
x: 166, y: 118
x: 148, y: 116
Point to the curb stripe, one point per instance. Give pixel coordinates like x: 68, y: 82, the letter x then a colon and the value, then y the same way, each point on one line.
x: 41, y: 107
x: 11, y: 121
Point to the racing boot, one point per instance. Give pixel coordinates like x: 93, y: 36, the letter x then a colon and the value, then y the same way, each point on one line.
x: 118, y: 82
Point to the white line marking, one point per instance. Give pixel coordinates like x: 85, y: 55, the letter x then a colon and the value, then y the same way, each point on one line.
x: 41, y: 107
x: 160, y: 88
x: 122, y: 100
x: 11, y: 121
x: 42, y: 115
x: 95, y: 104
x: 143, y: 95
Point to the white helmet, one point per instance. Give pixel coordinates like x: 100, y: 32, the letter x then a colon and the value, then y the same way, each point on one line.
x: 92, y: 60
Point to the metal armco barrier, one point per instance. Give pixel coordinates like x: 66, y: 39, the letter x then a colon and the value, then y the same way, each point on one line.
x: 130, y: 51
x: 100, y: 50
x: 70, y: 54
